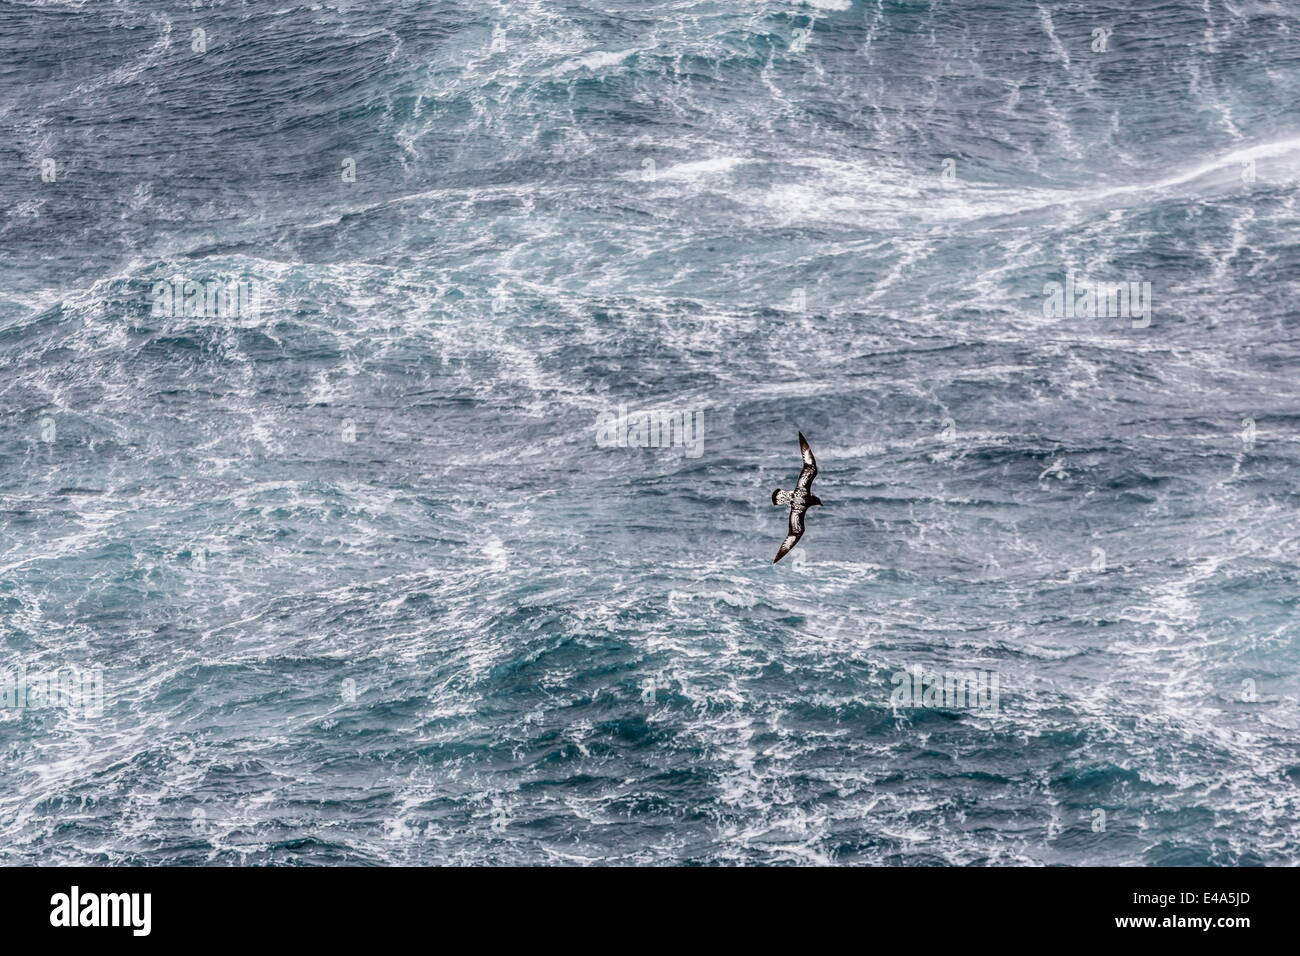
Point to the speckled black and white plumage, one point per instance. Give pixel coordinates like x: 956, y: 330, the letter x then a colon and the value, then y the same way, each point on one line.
x: 800, y: 500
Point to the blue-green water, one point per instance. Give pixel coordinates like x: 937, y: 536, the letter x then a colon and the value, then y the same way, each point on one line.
x: 362, y: 584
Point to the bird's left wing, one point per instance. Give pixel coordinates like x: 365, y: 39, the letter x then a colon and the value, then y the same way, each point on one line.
x: 790, y: 541
x: 809, y: 465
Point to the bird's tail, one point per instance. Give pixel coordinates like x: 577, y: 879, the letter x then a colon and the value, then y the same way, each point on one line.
x: 780, y: 497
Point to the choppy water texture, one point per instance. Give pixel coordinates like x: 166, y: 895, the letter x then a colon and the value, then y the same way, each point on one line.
x: 565, y: 653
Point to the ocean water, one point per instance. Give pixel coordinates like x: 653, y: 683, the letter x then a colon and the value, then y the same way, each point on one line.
x: 345, y: 573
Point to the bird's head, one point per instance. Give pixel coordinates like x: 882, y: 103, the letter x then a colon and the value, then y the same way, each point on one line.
x: 813, y: 500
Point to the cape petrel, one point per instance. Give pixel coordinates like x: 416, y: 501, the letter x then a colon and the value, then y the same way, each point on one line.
x: 799, y: 500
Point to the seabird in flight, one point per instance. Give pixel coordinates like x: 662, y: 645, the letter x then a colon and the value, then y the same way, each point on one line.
x: 799, y: 500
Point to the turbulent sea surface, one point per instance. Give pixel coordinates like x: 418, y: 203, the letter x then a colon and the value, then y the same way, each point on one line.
x: 363, y: 585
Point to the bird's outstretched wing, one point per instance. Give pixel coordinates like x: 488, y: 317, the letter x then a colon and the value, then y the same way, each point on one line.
x: 798, y: 506
x: 809, y: 465
x: 790, y: 541
x: 793, y: 535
